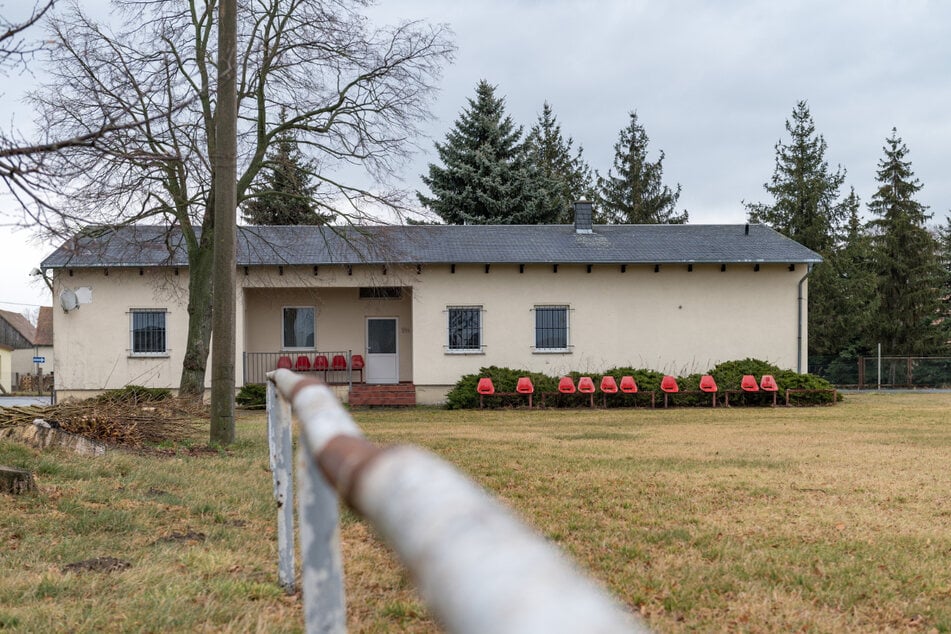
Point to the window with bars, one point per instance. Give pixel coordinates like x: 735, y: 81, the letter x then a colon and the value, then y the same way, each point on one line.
x: 300, y: 327
x: 148, y: 332
x: 465, y: 328
x: 551, y: 328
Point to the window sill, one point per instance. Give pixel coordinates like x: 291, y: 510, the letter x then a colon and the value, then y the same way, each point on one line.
x: 465, y: 352
x: 150, y: 355
x: 551, y: 351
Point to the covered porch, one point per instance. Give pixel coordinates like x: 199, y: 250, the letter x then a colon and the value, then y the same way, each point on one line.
x: 344, y: 335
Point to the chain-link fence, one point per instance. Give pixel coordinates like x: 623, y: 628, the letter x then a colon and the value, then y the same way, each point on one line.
x: 887, y: 371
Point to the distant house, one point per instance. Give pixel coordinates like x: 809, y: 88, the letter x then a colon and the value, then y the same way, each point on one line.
x: 16, y: 333
x: 24, y: 360
x: 424, y: 305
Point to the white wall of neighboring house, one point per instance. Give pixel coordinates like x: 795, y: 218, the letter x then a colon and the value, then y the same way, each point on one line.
x: 673, y: 320
x: 6, y: 363
x: 23, y: 360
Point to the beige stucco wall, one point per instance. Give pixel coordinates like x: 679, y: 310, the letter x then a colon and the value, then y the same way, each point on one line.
x: 93, y: 341
x: 673, y: 321
x: 341, y: 314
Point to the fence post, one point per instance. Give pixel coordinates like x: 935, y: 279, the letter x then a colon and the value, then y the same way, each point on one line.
x: 322, y: 575
x: 279, y: 442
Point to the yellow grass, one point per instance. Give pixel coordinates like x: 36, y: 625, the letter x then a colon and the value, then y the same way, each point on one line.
x: 749, y: 519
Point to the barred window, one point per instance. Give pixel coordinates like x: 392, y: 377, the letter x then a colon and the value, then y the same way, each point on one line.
x: 148, y: 332
x: 300, y: 327
x: 551, y: 327
x: 465, y: 328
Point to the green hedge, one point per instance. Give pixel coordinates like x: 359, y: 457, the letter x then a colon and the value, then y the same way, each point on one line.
x: 728, y: 376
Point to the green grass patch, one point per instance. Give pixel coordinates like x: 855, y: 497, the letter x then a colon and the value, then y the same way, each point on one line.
x: 747, y: 519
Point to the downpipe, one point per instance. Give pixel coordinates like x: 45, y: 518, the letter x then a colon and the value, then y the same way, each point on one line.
x: 799, y: 322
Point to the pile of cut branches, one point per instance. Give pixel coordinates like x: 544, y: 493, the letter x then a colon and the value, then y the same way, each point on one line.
x: 131, y: 417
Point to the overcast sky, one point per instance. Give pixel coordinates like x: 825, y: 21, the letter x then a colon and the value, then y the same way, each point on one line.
x: 712, y: 82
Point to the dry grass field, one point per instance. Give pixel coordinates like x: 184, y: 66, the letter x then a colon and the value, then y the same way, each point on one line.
x: 832, y: 519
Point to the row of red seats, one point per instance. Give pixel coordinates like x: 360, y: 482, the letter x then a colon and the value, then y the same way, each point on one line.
x: 321, y: 364
x: 609, y: 385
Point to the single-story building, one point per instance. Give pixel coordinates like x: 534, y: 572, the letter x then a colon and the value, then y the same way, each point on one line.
x: 424, y: 305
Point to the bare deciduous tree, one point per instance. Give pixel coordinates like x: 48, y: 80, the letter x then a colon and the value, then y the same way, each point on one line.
x: 355, y: 96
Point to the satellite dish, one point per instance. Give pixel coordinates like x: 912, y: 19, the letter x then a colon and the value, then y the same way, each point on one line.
x: 68, y: 300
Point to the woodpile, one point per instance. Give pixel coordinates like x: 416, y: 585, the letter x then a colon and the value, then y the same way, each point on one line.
x: 116, y: 418
x: 33, y: 383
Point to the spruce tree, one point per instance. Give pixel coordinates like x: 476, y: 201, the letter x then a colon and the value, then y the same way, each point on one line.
x: 285, y: 194
x: 805, y: 191
x: 905, y: 259
x: 805, y: 206
x: 564, y: 176
x: 944, y: 257
x: 841, y: 316
x: 635, y: 193
x: 485, y: 177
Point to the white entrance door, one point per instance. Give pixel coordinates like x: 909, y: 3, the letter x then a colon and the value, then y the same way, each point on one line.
x: 383, y: 362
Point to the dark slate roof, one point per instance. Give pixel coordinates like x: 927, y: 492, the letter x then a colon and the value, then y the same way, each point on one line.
x: 446, y: 244
x: 19, y: 332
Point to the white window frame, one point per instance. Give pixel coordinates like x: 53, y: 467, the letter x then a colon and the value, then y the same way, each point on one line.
x: 568, y: 345
x: 285, y: 348
x: 479, y: 311
x: 152, y: 353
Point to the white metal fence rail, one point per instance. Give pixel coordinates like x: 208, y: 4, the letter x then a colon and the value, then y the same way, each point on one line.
x: 476, y: 566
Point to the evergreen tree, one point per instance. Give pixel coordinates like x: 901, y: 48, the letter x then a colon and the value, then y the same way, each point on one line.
x: 485, y: 177
x: 944, y: 257
x: 805, y: 191
x: 805, y: 206
x: 284, y: 195
x: 635, y: 193
x: 565, y: 177
x: 839, y: 324
x: 905, y: 259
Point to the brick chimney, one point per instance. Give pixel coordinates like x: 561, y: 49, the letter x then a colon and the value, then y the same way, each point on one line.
x: 583, y: 211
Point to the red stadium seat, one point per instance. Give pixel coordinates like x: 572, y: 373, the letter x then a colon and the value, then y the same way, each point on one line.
x: 749, y: 383
x: 609, y: 385
x: 566, y: 385
x: 628, y: 385
x: 285, y: 362
x: 303, y: 364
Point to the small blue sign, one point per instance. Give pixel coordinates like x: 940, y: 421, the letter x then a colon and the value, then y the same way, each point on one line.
x: 39, y: 359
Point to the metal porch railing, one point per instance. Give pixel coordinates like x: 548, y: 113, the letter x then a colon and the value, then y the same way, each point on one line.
x: 476, y: 566
x: 258, y: 364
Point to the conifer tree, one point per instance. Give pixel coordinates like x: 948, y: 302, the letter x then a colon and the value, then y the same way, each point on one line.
x: 905, y: 259
x: 485, y: 177
x: 805, y: 206
x: 840, y: 322
x: 805, y: 191
x: 564, y: 176
x: 285, y: 194
x: 634, y: 193
x: 944, y: 256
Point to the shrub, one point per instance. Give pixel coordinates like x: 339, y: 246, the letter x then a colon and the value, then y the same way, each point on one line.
x: 464, y: 396
x: 253, y: 396
x: 728, y: 376
x: 134, y: 394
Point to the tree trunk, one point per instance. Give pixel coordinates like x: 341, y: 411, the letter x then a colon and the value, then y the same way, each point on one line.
x: 226, y: 114
x: 16, y: 481
x: 200, y: 269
